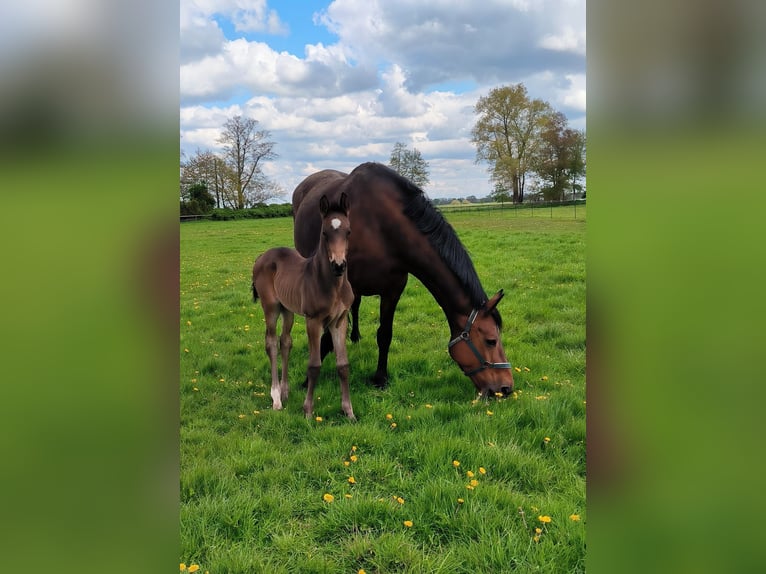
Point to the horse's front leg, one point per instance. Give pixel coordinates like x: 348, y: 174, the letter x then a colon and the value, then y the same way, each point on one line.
x: 338, y: 332
x: 386, y: 332
x: 314, y: 329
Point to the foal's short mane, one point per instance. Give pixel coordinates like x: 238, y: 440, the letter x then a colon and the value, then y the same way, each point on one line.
x: 429, y: 221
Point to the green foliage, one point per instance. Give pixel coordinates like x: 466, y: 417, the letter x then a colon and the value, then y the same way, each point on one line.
x: 253, y: 478
x: 410, y: 164
x: 260, y: 212
x: 200, y: 201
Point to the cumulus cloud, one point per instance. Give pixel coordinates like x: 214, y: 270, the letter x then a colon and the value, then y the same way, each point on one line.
x: 389, y: 77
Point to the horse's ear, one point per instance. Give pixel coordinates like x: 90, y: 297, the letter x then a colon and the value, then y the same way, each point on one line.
x: 492, y: 303
x: 344, y: 203
x: 324, y: 205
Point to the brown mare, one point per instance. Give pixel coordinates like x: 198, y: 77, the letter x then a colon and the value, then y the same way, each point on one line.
x: 400, y: 232
x: 316, y: 288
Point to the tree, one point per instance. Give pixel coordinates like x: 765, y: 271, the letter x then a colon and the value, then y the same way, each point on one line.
x: 507, y: 134
x: 410, y: 164
x: 500, y: 193
x: 208, y: 168
x: 561, y: 159
x: 245, y: 148
x: 199, y: 201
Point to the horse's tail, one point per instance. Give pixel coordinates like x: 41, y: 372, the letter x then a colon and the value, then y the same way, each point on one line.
x: 255, y: 293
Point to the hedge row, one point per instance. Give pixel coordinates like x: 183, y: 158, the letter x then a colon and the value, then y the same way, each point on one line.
x: 262, y: 211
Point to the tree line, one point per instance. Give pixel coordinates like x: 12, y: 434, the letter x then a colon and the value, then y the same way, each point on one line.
x: 531, y: 153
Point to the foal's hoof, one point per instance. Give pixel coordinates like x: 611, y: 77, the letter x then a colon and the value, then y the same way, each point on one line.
x: 355, y: 337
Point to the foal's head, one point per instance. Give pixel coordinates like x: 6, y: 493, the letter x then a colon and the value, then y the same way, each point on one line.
x: 333, y: 242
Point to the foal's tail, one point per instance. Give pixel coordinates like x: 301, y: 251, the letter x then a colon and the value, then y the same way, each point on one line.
x: 255, y: 293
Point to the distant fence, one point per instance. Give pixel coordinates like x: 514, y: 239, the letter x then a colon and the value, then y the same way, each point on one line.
x: 533, y: 209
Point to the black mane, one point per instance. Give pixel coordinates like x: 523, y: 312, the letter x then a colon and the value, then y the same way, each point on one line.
x: 429, y: 221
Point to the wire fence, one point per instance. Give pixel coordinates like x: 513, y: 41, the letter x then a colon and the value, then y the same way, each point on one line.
x: 552, y: 209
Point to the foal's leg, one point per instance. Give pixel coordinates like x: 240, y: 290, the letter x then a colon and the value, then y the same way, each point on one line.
x: 314, y: 330
x: 285, y: 344
x: 271, y: 313
x: 338, y: 331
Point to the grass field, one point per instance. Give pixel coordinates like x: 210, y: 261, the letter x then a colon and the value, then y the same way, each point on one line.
x: 266, y: 491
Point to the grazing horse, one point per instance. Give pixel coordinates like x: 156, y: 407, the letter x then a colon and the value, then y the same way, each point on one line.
x: 400, y: 232
x: 316, y: 288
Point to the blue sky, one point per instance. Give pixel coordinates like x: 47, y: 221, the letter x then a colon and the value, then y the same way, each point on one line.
x: 338, y: 83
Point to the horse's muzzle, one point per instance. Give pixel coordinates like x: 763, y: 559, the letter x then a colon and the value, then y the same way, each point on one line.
x: 339, y: 268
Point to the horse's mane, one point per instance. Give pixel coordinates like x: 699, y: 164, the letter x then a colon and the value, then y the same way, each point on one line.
x: 429, y: 221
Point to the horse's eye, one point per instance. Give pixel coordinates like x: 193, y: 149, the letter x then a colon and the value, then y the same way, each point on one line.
x: 492, y: 342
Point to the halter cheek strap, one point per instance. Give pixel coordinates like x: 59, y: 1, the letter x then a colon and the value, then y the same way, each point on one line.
x: 466, y: 336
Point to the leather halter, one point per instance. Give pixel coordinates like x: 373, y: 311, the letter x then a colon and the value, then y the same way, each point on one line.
x: 466, y: 336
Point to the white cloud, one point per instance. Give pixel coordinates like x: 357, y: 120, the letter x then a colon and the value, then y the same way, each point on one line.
x: 337, y: 105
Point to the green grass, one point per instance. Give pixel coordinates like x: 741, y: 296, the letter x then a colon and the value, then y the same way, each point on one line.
x: 252, y: 479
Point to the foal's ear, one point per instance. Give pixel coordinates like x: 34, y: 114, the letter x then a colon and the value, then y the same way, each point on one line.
x: 324, y: 206
x: 344, y: 203
x: 492, y: 303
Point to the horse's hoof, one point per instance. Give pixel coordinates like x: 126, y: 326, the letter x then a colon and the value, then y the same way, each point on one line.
x: 379, y: 382
x: 355, y: 337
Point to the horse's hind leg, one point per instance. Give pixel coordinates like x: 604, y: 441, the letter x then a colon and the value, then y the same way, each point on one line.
x: 271, y: 313
x: 355, y: 334
x: 285, y: 344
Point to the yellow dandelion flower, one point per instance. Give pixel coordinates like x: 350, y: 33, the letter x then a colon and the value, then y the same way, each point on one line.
x: 429, y: 406
x: 490, y: 413
x: 460, y: 501
x: 389, y: 416
x: 544, y: 378
x: 490, y: 443
x: 536, y: 538
x: 544, y: 519
x: 408, y: 523
x: 195, y: 389
x: 188, y: 323
x: 538, y: 530
x: 186, y: 350
x: 547, y: 439
x: 400, y: 500
x: 221, y: 380
x: 318, y: 419
x: 351, y: 480
x: 346, y: 463
x: 353, y: 448
x: 408, y: 417
x: 482, y: 470
x: 241, y: 416
x: 193, y: 567
x: 470, y: 474
x: 354, y: 458
x: 348, y: 495
x: 499, y: 395
x: 393, y: 425
x: 456, y: 463
x: 518, y: 370
x: 361, y: 571
x: 183, y: 567
x: 574, y: 517
x: 526, y: 369
x: 469, y: 486
x: 328, y: 497
x: 474, y: 482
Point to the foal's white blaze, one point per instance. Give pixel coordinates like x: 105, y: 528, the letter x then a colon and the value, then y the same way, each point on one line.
x: 335, y: 223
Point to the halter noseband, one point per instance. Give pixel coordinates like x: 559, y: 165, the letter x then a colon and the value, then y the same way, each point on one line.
x: 466, y: 336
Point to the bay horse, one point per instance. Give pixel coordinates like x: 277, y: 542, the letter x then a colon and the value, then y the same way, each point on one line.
x: 315, y: 287
x: 401, y: 232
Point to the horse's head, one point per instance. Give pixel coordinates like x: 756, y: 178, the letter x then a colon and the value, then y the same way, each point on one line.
x: 335, y: 232
x: 479, y: 351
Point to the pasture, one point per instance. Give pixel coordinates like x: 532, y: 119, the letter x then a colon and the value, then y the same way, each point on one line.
x: 430, y: 478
